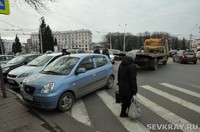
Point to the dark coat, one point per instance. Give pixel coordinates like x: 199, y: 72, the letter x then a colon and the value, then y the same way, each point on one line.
x: 127, y: 77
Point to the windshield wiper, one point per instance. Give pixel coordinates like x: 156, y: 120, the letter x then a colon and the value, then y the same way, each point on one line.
x: 52, y: 72
x: 32, y: 65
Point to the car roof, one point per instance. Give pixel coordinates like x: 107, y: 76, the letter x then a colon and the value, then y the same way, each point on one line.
x: 53, y: 54
x: 85, y: 54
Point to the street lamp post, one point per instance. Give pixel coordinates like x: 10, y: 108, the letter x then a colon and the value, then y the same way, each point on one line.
x: 41, y: 34
x: 124, y: 28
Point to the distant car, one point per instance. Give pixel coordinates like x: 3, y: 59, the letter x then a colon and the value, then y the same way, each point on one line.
x: 184, y: 56
x: 172, y: 52
x: 17, y: 75
x: 5, y: 58
x: 67, y: 78
x: 112, y: 56
x: 198, y: 54
x: 16, y: 62
x: 75, y: 51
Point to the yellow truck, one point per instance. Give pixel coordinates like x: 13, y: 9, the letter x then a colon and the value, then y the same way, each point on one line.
x: 154, y: 51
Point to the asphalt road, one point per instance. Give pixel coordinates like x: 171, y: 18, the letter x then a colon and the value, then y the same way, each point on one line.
x: 169, y: 99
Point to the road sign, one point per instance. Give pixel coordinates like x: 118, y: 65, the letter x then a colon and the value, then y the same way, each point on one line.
x: 4, y: 7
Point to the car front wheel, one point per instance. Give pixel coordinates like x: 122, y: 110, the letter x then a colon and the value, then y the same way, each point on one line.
x: 110, y: 82
x: 65, y: 102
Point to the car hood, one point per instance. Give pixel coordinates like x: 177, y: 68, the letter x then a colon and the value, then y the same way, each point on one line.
x: 39, y: 80
x: 24, y: 69
x: 7, y: 65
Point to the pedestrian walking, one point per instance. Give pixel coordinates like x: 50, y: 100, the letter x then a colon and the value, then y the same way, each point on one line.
x: 127, y: 81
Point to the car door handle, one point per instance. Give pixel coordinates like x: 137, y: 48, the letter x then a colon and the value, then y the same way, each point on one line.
x: 73, y: 84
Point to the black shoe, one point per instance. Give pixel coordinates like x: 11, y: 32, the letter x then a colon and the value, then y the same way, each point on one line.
x: 124, y: 115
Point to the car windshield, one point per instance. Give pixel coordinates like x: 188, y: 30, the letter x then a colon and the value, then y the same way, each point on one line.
x: 40, y: 61
x: 189, y: 52
x: 61, y: 66
x: 17, y: 60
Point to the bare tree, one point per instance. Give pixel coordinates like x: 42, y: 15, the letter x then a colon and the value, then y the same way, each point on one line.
x: 38, y: 5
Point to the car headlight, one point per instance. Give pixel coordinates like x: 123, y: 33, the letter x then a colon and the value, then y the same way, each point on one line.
x: 5, y: 69
x: 26, y: 74
x: 48, y: 88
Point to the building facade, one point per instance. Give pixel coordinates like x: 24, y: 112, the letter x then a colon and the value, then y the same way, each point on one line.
x: 77, y: 39
x: 8, y: 46
x: 195, y: 44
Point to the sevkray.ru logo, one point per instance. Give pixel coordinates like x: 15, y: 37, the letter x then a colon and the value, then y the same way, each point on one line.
x: 173, y: 127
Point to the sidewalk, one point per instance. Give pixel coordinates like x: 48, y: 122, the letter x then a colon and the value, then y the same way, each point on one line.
x: 15, y: 117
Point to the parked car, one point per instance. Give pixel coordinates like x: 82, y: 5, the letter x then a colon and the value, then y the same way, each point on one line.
x: 75, y: 51
x: 5, y: 58
x: 172, y: 52
x: 198, y: 55
x: 185, y: 56
x: 66, y: 79
x: 17, y: 75
x: 16, y: 62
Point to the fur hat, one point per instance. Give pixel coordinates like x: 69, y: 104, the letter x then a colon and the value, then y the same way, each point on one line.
x: 131, y: 55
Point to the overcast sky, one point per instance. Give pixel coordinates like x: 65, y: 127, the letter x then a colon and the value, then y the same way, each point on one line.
x: 177, y: 17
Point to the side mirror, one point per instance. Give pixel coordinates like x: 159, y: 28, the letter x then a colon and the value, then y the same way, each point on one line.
x: 25, y: 62
x: 80, y: 70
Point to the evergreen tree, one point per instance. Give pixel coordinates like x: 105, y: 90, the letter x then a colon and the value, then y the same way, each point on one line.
x: 183, y: 44
x: 16, y: 47
x: 47, y: 38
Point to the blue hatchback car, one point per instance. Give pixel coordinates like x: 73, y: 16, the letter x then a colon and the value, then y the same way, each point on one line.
x: 66, y: 79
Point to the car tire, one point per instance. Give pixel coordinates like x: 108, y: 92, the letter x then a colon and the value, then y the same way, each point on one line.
x: 195, y: 62
x: 65, y: 102
x: 110, y: 82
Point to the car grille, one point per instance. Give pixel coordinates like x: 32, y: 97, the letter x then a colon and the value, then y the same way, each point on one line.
x: 29, y: 89
x: 12, y: 76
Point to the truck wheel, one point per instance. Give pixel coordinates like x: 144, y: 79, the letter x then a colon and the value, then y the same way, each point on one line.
x: 154, y: 64
x: 165, y: 62
x: 180, y: 61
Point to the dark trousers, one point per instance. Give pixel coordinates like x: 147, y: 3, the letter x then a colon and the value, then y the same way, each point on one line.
x: 126, y: 102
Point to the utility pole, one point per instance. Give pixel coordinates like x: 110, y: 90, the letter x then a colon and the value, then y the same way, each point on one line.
x: 2, y: 83
x: 1, y: 44
x: 190, y: 41
x: 124, y: 46
x: 41, y: 44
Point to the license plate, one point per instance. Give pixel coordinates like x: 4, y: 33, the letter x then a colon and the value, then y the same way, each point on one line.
x: 28, y: 97
x: 11, y: 81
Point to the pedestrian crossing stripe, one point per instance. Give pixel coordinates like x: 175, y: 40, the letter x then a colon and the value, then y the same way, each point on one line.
x: 130, y: 125
x: 164, y: 113
x: 181, y: 89
x: 175, y: 99
x: 79, y: 111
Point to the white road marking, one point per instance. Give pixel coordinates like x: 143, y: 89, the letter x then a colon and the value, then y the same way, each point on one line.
x: 175, y: 99
x: 130, y: 125
x: 79, y: 113
x: 181, y: 89
x: 166, y: 114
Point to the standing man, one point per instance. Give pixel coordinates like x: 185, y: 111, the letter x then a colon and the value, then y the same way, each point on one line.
x: 127, y: 80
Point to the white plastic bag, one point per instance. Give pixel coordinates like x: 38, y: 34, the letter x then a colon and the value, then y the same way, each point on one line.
x: 134, y: 109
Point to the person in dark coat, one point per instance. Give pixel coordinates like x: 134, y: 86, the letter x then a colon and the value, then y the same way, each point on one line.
x: 97, y: 51
x: 65, y: 52
x: 127, y: 81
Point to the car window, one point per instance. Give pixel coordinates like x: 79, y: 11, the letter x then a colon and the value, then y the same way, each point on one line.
x: 17, y: 60
x: 1, y: 58
x: 61, y: 66
x: 87, y: 64
x: 40, y: 61
x: 31, y: 58
x: 100, y: 61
